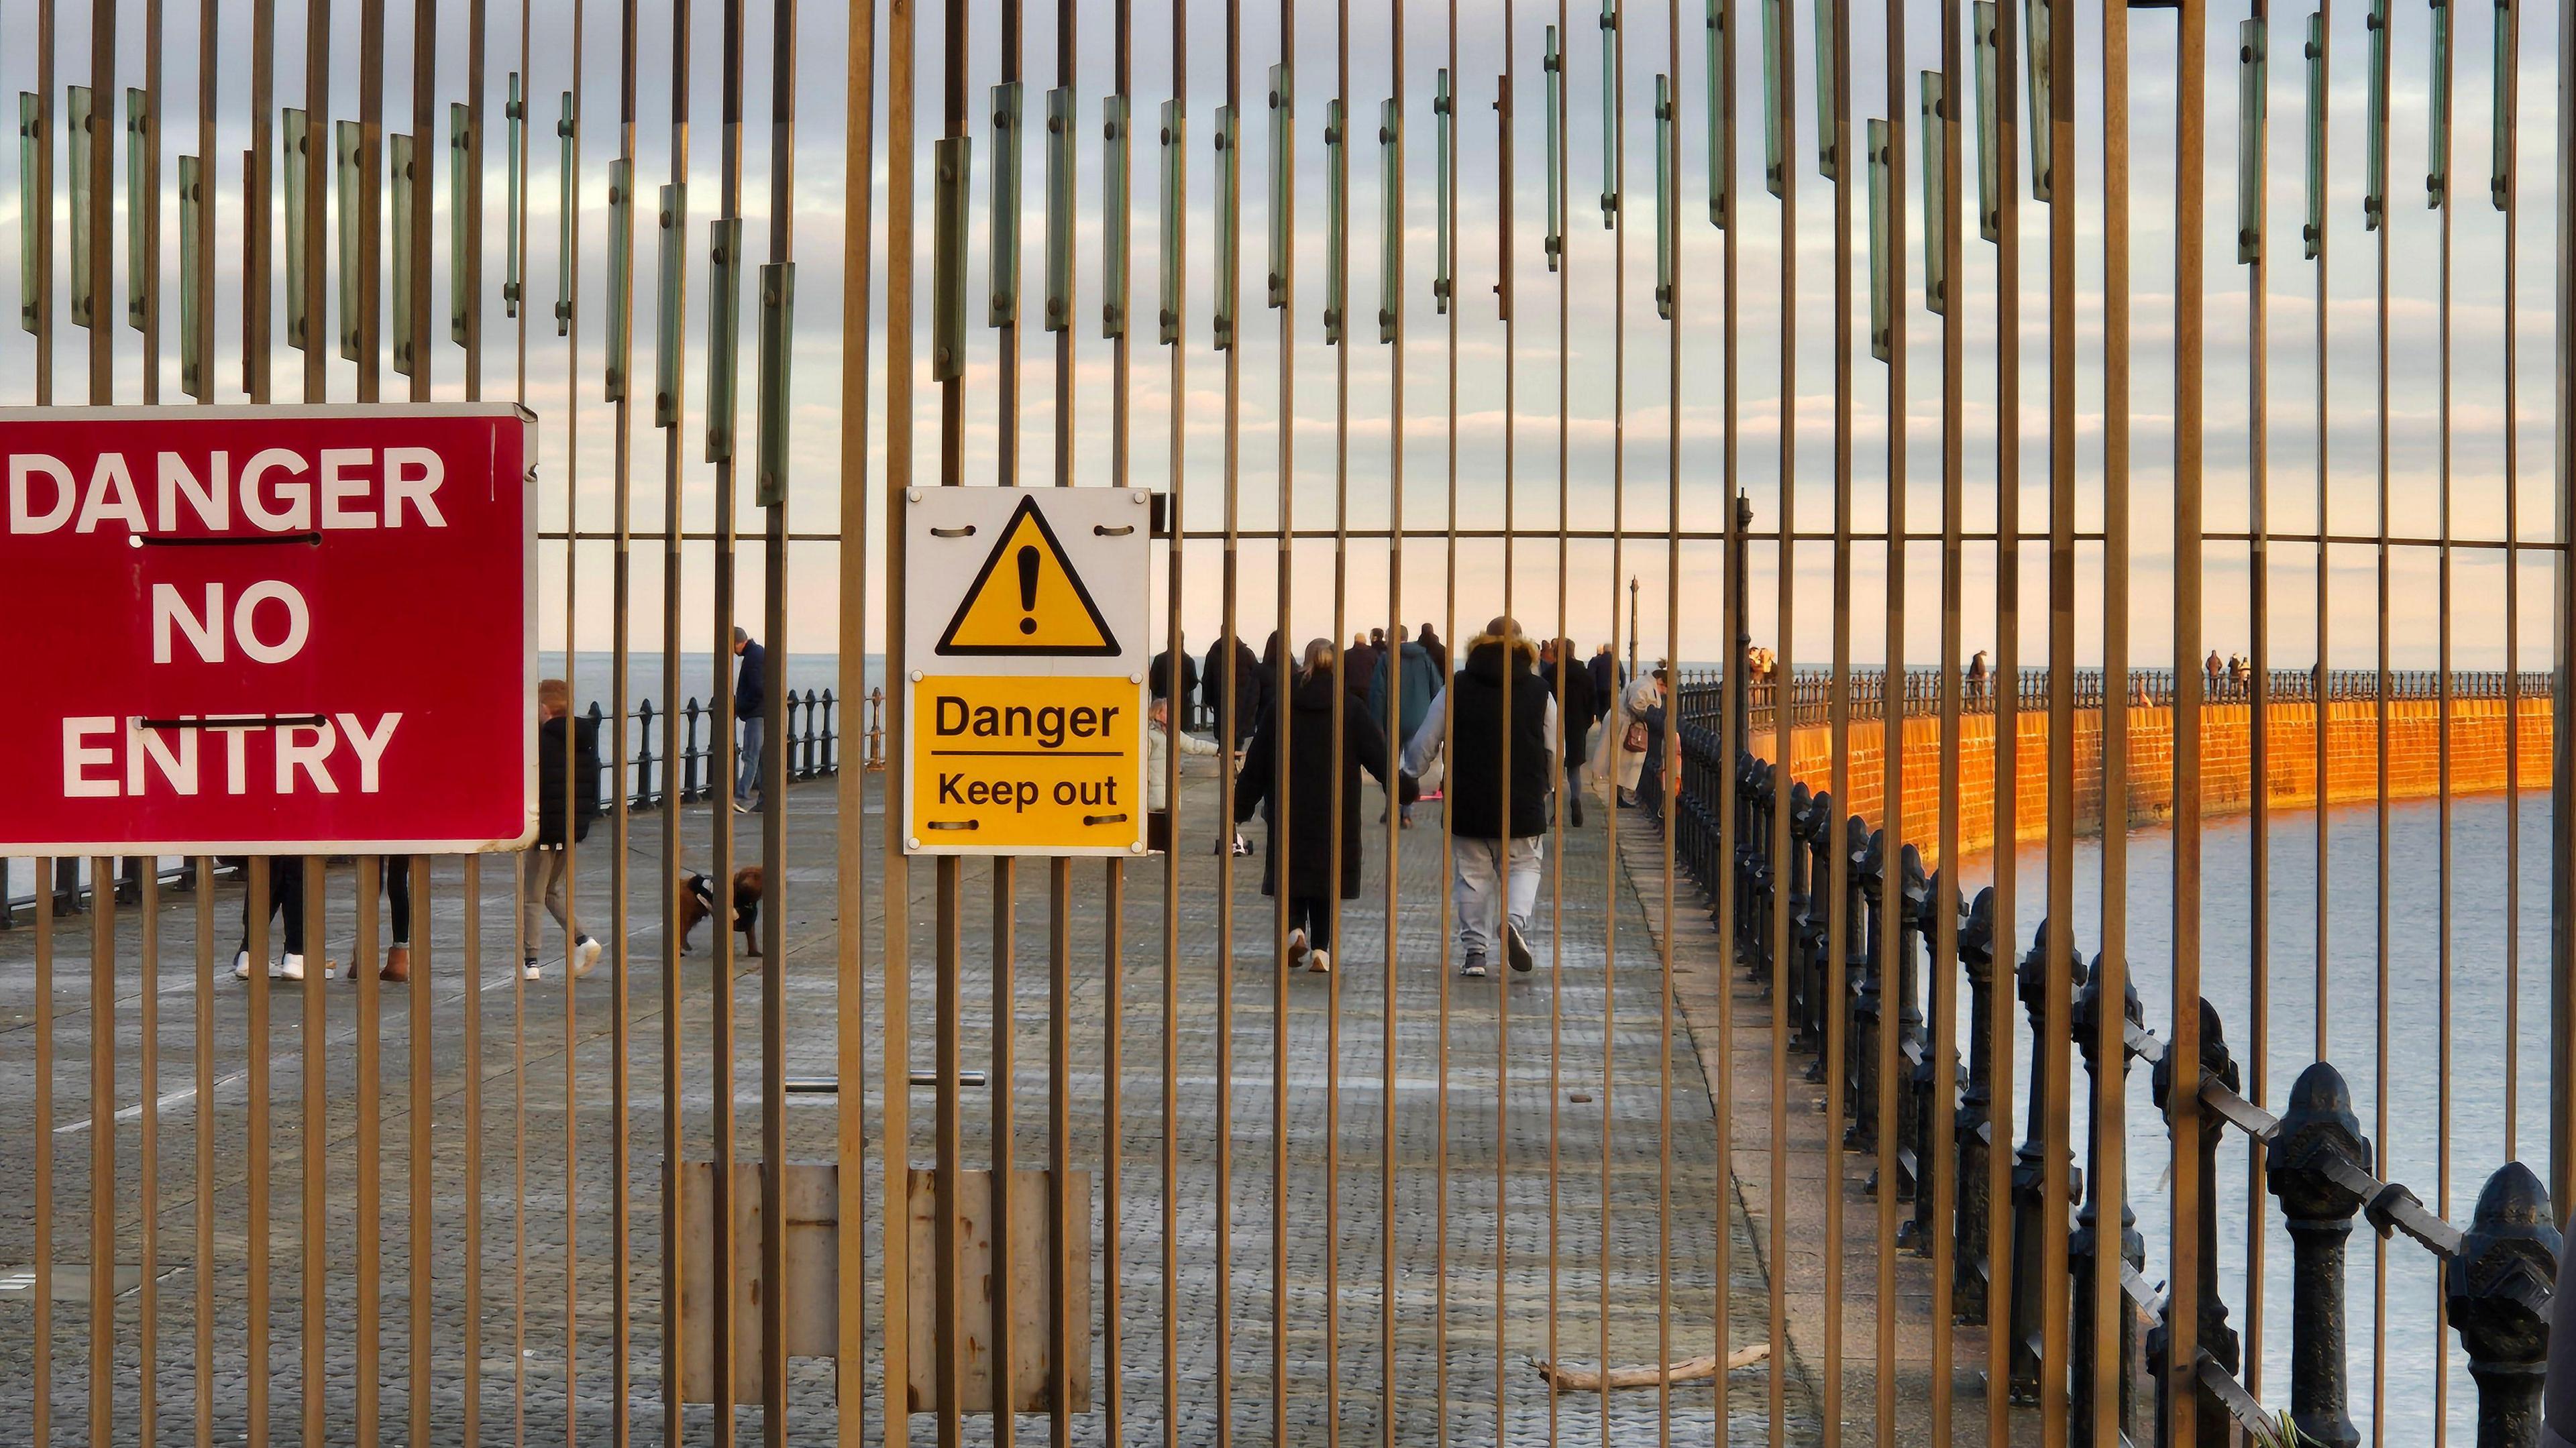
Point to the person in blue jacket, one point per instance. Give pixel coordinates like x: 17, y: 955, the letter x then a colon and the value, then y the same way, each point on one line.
x: 1409, y: 663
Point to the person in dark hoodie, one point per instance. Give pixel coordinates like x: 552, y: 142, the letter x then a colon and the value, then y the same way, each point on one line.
x: 562, y: 743
x: 1500, y: 767
x: 1304, y: 856
x: 1249, y: 690
x: 1439, y: 651
x: 1567, y: 674
x: 1411, y: 666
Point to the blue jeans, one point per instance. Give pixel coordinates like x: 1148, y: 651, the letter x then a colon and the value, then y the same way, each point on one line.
x: 746, y: 785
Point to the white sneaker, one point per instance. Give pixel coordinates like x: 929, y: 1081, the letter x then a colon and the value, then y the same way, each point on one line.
x: 1320, y: 962
x: 584, y: 956
x: 528, y: 971
x: 1296, y: 949
x: 241, y: 965
x: 291, y: 967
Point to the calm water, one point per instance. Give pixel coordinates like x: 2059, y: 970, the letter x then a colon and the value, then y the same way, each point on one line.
x: 2404, y: 1080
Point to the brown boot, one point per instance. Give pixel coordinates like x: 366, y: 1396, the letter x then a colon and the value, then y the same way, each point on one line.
x: 397, y: 964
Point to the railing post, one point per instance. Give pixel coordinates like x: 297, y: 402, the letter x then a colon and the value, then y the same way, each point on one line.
x: 831, y: 739
x: 2318, y: 1130
x: 2216, y: 1427
x: 645, y: 797
x: 1913, y: 892
x: 690, y: 758
x: 2080, y: 1242
x: 1869, y: 1003
x: 1800, y: 901
x: 2499, y: 1293
x: 1933, y: 1086
x: 608, y: 767
x: 1968, y: 1288
x: 1759, y: 871
x: 1810, y: 834
x: 2029, y: 1175
x: 876, y: 728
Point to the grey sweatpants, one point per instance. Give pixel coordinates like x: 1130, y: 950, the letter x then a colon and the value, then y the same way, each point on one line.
x: 1477, y: 885
x: 543, y: 880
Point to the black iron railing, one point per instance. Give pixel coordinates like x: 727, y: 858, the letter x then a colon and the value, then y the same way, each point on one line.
x: 2498, y: 1271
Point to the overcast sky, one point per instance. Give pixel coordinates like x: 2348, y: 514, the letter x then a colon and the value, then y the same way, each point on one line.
x: 1610, y: 473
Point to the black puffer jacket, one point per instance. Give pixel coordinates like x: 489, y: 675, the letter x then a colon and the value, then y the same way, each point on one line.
x: 550, y: 780
x: 1309, y: 849
x: 1483, y: 804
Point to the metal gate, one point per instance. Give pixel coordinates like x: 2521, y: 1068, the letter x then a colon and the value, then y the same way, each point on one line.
x: 1093, y: 1151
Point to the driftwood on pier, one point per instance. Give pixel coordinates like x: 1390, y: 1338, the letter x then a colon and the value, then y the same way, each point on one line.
x: 1589, y: 1380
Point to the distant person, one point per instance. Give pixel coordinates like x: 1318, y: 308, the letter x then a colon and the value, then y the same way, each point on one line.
x: 397, y: 885
x: 1978, y: 674
x: 2240, y: 675
x: 1297, y: 778
x: 1408, y: 669
x: 1359, y: 665
x: 1603, y: 666
x: 562, y: 743
x: 750, y: 698
x: 1158, y: 674
x: 1431, y: 644
x: 1248, y: 683
x: 2210, y: 671
x: 1497, y: 820
x: 1638, y: 739
x: 1160, y: 739
x: 1571, y: 679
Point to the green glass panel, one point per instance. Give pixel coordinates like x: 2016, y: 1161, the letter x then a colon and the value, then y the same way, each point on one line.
x: 1444, y: 107
x: 1715, y: 32
x: 1174, y: 158
x: 1004, y: 308
x: 1665, y: 146
x: 2437, y: 174
x: 1337, y: 250
x: 2374, y: 195
x: 1059, y: 308
x: 1113, y: 216
x: 460, y: 237
x: 568, y: 139
x: 953, y: 168
x: 1937, y: 219
x: 1554, y: 65
x: 349, y: 147
x: 621, y: 264
x: 1609, y: 114
x: 777, y: 351
x: 512, y: 284
x: 2508, y: 17
x: 1774, y: 104
x: 1390, y: 228
x: 1229, y: 204
x: 1989, y: 47
x: 1881, y: 253
x: 1828, y: 105
x: 295, y: 142
x: 399, y: 151
x: 673, y: 216
x: 2313, y: 234
x: 139, y: 269
x: 77, y: 115
x: 2036, y: 52
x: 192, y: 302
x: 1283, y: 163
x: 32, y: 211
x: 724, y: 334
x: 2252, y: 136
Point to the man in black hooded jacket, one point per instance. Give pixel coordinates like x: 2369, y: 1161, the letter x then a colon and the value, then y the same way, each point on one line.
x: 1502, y: 763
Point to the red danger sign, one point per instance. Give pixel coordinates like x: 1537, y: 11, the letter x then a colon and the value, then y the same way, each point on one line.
x: 242, y: 630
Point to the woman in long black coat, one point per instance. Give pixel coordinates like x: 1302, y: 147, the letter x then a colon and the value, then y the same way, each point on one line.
x: 1574, y: 712
x: 1308, y: 853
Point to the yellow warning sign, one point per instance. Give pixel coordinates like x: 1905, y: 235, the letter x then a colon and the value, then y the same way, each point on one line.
x: 1028, y: 600
x: 1033, y: 765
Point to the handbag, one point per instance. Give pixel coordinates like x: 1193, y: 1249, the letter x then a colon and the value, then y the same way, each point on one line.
x: 1634, y: 742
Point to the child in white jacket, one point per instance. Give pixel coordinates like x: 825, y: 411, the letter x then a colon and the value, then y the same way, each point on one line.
x: 1159, y: 739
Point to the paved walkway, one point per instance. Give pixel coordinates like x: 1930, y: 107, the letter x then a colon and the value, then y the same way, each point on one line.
x: 1584, y: 1082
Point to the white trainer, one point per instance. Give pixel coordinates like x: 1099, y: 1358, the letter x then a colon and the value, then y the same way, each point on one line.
x: 584, y: 956
x: 528, y: 971
x: 241, y: 965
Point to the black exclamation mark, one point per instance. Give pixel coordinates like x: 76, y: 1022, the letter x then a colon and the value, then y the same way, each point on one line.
x: 1029, y: 589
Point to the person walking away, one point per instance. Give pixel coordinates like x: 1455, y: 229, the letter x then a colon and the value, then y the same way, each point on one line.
x: 1406, y: 667
x: 1504, y: 714
x: 1299, y: 779
x: 1158, y: 677
x: 1432, y: 645
x: 1604, y: 671
x: 397, y: 877
x: 1977, y: 672
x: 1359, y: 667
x: 1571, y: 680
x: 1248, y: 684
x: 1160, y: 739
x: 562, y: 743
x: 750, y: 696
x: 285, y: 899
x: 1635, y: 738
x: 2210, y: 670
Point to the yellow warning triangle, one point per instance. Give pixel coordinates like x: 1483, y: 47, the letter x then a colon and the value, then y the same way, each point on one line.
x: 1028, y: 599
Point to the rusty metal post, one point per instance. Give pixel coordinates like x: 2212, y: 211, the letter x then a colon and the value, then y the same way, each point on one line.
x: 2318, y: 1134
x: 2499, y: 1298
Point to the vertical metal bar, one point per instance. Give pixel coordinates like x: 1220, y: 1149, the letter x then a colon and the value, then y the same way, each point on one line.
x: 1116, y: 157
x: 2321, y: 1001
x: 670, y: 382
x: 1731, y: 728
x: 102, y: 1117
x: 1941, y: 193
x: 523, y: 950
x: 778, y: 295
x: 370, y: 1172
x: 1667, y: 191
x: 894, y: 1217
x: 2001, y: 39
x: 2053, y: 1057
x: 470, y: 1346
x: 1228, y: 201
x: 2183, y: 1311
x: 205, y: 1080
x: 1283, y: 120
x: 1833, y: 143
x: 2562, y: 815
x: 619, y: 357
x: 2253, y: 189
x: 196, y: 202
x: 312, y: 1125
x: 1896, y: 951
x: 2437, y: 185
x: 2504, y: 186
x: 1390, y: 268
x: 2103, y: 1360
x: 1391, y: 223
x: 41, y: 1288
x: 515, y: 211
x: 1174, y: 224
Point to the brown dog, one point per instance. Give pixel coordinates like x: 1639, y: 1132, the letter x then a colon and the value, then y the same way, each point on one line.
x: 699, y: 901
